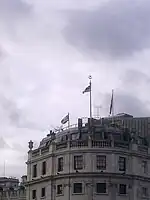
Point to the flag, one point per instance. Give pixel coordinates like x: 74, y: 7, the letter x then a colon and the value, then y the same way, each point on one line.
x: 65, y: 119
x: 111, y: 103
x: 87, y: 89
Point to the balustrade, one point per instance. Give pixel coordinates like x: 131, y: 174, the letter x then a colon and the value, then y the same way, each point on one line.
x: 88, y: 144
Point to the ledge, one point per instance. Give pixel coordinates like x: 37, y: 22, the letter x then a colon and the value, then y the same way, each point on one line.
x: 88, y: 175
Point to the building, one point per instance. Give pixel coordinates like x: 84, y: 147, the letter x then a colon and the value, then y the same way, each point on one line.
x: 11, y: 189
x: 91, y: 161
x: 139, y: 125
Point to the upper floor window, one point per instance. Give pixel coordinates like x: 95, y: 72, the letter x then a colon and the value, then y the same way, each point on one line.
x: 33, y: 194
x: 101, y: 188
x: 35, y: 170
x: 122, y: 189
x: 60, y: 164
x: 144, y: 191
x: 101, y: 162
x: 44, y: 168
x: 122, y: 164
x: 77, y: 188
x: 144, y: 166
x: 78, y: 162
x: 43, y: 192
x: 59, y: 189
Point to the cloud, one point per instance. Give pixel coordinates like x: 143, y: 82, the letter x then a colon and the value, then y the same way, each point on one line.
x: 13, y: 9
x: 3, y: 144
x: 118, y: 29
x: 132, y: 105
x: 124, y: 102
x: 42, y: 76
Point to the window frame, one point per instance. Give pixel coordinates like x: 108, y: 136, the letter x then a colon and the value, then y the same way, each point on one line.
x: 34, y: 172
x: 146, y: 194
x: 42, y: 196
x: 144, y: 166
x: 76, y: 165
x: 119, y: 189
x: 59, y: 194
x: 33, y: 194
x: 73, y: 188
x: 120, y: 164
x: 102, y: 164
x: 101, y: 193
x: 43, y: 168
x: 60, y: 168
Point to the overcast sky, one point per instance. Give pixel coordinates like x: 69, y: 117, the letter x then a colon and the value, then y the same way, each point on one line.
x: 47, y: 51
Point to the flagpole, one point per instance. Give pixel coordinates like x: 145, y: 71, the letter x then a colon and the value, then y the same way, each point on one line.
x: 90, y: 77
x: 4, y: 168
x: 113, y: 106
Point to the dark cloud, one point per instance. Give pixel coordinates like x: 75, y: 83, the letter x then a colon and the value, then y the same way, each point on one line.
x: 117, y: 30
x: 127, y: 103
x: 13, y: 8
x: 16, y: 115
x: 132, y: 105
x: 135, y: 78
x: 12, y: 12
x: 11, y: 110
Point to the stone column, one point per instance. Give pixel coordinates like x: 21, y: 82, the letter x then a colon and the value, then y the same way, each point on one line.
x: 112, y: 190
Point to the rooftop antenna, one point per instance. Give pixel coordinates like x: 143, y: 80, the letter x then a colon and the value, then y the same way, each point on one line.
x: 98, y: 111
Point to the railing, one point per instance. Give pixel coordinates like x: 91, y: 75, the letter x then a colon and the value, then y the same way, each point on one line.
x: 101, y: 143
x: 79, y: 143
x: 61, y: 145
x: 13, y: 195
x: 35, y: 152
x: 45, y: 149
x: 88, y: 144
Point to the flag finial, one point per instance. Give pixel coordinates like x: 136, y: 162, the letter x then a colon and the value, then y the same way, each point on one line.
x: 90, y: 77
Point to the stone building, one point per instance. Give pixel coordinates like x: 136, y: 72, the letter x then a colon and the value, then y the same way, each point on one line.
x: 11, y: 189
x: 140, y: 125
x: 92, y: 161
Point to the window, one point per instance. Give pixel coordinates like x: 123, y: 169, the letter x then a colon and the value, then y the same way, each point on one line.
x: 44, y: 168
x: 144, y: 192
x: 122, y: 189
x: 43, y: 192
x: 60, y: 164
x: 144, y: 167
x: 100, y: 188
x: 122, y: 164
x: 34, y: 170
x: 33, y: 194
x: 77, y: 188
x: 101, y: 162
x: 78, y: 162
x: 59, y: 189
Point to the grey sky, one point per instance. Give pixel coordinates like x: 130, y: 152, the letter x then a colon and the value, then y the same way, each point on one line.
x: 117, y: 29
x: 46, y: 49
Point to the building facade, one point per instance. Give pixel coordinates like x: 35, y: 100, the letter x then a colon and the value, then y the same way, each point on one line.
x: 11, y: 189
x: 140, y: 125
x: 92, y: 161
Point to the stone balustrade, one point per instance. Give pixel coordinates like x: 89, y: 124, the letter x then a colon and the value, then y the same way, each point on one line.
x: 89, y: 144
